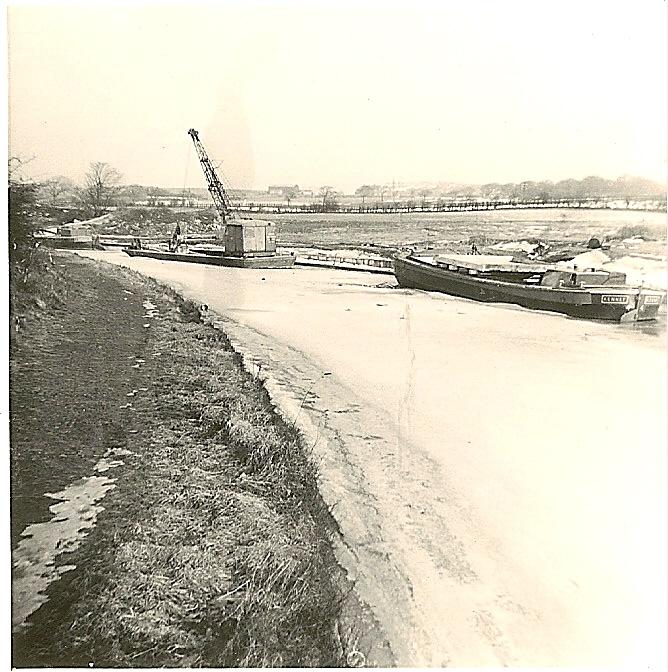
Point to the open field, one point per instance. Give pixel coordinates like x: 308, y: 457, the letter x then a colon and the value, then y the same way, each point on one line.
x: 455, y: 230
x: 397, y: 230
x: 401, y: 229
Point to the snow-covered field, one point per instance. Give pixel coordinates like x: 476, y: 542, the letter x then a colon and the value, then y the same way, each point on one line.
x: 399, y: 229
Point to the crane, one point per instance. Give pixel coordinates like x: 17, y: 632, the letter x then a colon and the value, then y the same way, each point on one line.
x: 216, y: 188
x: 244, y: 238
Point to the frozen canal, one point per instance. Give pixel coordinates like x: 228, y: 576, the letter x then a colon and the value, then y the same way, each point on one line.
x: 499, y: 475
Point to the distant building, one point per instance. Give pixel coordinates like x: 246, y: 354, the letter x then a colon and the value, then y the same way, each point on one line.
x: 284, y: 190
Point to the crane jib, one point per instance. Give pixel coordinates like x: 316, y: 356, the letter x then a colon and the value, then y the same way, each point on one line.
x: 216, y: 188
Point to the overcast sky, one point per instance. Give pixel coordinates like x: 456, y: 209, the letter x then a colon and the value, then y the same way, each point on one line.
x: 342, y: 94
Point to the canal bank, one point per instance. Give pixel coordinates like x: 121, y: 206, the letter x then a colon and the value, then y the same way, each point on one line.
x: 481, y: 460
x: 162, y: 513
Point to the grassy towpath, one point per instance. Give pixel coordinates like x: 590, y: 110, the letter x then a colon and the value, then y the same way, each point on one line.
x: 213, y: 548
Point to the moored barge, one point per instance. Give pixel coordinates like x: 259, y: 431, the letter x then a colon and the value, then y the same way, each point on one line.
x: 270, y: 261
x: 247, y: 243
x: 72, y: 236
x: 590, y: 294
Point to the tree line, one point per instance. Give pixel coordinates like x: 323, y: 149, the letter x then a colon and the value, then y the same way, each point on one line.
x: 99, y: 190
x: 625, y: 187
x: 102, y: 189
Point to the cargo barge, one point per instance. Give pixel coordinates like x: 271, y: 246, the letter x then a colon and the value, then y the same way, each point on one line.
x: 73, y: 236
x: 589, y: 294
x: 247, y: 243
x: 273, y: 261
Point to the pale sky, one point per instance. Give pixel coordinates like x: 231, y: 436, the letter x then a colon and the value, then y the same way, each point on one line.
x: 342, y: 94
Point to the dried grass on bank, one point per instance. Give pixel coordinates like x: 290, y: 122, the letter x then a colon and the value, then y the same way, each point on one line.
x: 35, y: 284
x: 228, y: 561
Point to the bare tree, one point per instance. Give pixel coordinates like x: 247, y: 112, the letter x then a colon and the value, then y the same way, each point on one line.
x: 423, y: 193
x: 393, y: 193
x: 329, y: 197
x: 131, y: 194
x: 290, y: 192
x: 324, y: 193
x: 22, y: 199
x: 15, y: 166
x: 364, y: 191
x: 100, y: 187
x: 22, y: 215
x: 56, y: 187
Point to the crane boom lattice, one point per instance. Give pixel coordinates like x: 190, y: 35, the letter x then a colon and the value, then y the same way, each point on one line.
x: 216, y: 188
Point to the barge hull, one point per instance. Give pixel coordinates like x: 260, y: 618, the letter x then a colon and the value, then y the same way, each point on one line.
x: 416, y: 274
x: 63, y: 243
x: 276, y: 261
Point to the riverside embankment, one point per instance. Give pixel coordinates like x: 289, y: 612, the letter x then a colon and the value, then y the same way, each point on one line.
x: 498, y: 475
x: 162, y: 513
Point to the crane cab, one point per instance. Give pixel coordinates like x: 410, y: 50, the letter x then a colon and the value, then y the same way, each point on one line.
x: 250, y: 238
